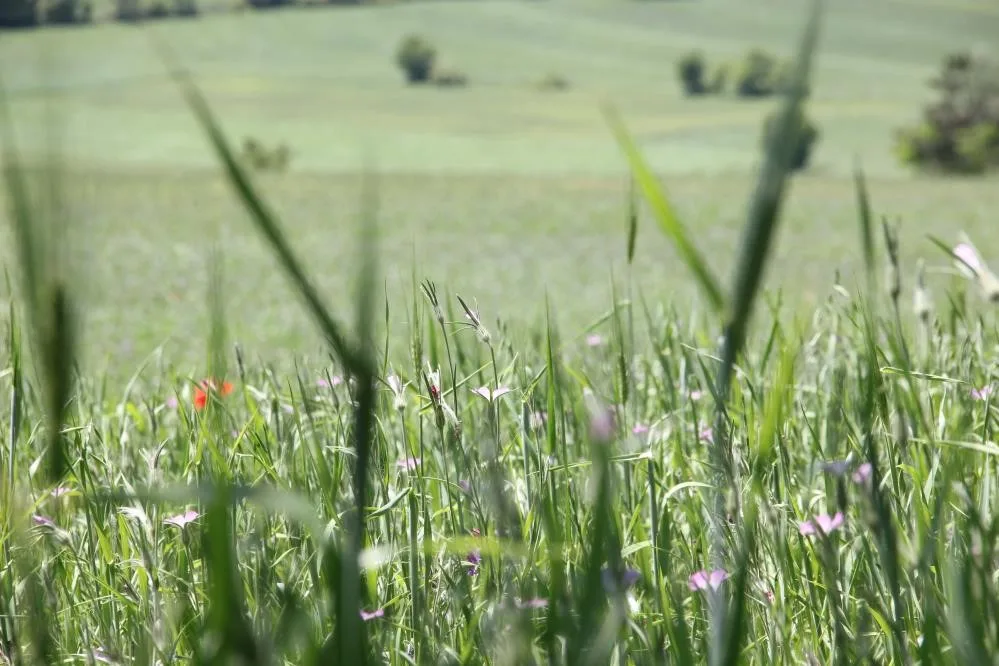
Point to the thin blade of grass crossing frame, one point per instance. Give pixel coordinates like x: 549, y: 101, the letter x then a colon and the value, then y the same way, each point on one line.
x: 765, y: 204
x: 761, y: 224
x: 264, y: 219
x: 664, y: 213
x: 872, y: 391
x: 356, y: 362
x: 48, y: 302
x: 16, y: 397
x: 216, y: 357
x: 353, y: 642
x: 228, y: 636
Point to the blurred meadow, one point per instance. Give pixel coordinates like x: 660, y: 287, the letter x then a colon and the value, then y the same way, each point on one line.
x: 568, y: 332
x: 502, y: 187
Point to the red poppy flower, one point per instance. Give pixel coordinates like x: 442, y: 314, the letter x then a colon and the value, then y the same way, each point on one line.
x: 201, y: 393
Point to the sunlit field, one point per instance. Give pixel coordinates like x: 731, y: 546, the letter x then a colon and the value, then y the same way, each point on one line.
x: 488, y: 375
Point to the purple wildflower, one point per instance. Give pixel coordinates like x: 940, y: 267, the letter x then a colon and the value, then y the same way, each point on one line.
x: 823, y: 523
x: 474, y: 558
x: 172, y: 402
x: 863, y: 473
x: 702, y: 580
x: 981, y: 393
x: 370, y: 615
x: 43, y: 521
x: 696, y: 395
x: 602, y: 423
x: 408, y: 464
x: 323, y: 382
x: 706, y: 435
x: 611, y: 583
x: 182, y: 520
x: 594, y: 340
x: 536, y: 602
x: 640, y: 429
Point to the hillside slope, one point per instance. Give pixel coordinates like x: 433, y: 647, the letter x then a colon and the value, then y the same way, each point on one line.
x: 324, y: 80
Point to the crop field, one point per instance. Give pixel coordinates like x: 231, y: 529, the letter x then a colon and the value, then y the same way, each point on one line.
x: 451, y: 395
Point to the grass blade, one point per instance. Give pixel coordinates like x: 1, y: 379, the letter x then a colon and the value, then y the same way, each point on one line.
x: 761, y: 225
x: 866, y: 227
x: 265, y: 220
x: 353, y: 641
x: 43, y: 265
x: 663, y: 211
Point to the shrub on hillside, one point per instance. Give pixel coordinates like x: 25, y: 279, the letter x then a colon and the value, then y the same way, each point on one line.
x: 18, y: 13
x: 186, y: 8
x: 690, y: 71
x: 267, y: 4
x: 807, y: 135
x: 67, y: 12
x: 158, y: 9
x: 758, y: 75
x: 553, y: 81
x: 959, y: 132
x: 416, y: 57
x: 260, y: 158
x: 127, y: 11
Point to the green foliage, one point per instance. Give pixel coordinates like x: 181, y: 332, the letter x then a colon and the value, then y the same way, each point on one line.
x: 760, y: 75
x: 128, y: 11
x: 755, y: 75
x: 806, y: 133
x: 268, y: 4
x: 131, y: 11
x: 157, y: 9
x: 691, y: 72
x: 719, y: 79
x: 416, y: 56
x: 261, y: 158
x: 68, y: 11
x: 553, y: 81
x: 959, y: 132
x: 185, y: 8
x: 18, y: 13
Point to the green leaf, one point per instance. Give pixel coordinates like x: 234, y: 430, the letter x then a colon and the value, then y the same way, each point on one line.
x: 664, y: 213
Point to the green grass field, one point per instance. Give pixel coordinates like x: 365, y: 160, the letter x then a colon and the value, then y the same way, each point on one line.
x: 428, y: 480
x: 500, y: 190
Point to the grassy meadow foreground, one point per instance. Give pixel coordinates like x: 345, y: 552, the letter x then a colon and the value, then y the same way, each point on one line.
x: 528, y: 503
x: 536, y: 431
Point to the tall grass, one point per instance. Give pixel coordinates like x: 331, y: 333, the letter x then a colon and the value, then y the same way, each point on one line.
x: 815, y: 495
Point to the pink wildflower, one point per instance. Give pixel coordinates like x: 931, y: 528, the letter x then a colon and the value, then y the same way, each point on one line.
x: 823, y: 523
x: 702, y: 580
x: 182, y: 520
